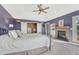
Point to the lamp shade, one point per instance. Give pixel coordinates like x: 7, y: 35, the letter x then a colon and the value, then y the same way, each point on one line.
x: 11, y: 25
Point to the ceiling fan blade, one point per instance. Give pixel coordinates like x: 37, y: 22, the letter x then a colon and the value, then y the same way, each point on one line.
x: 41, y: 9
x: 39, y: 6
x: 39, y: 12
x: 44, y: 11
x: 46, y: 8
x: 35, y: 10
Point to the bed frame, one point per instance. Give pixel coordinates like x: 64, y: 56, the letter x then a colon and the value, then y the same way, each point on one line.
x: 37, y: 51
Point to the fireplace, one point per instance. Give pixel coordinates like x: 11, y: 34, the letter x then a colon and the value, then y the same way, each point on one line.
x: 62, y: 35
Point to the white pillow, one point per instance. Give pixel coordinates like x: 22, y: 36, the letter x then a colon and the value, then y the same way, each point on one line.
x: 19, y: 33
x: 10, y: 35
x: 13, y: 34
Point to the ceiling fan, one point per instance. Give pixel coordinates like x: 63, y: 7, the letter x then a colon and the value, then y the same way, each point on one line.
x: 41, y: 9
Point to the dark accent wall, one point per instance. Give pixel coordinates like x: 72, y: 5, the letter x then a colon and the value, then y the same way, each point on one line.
x: 3, y: 31
x: 67, y: 21
x: 67, y: 18
x: 17, y: 25
x: 4, y: 18
x: 4, y: 12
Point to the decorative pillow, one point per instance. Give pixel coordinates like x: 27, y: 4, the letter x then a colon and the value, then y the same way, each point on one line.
x: 13, y: 34
x: 19, y: 33
x: 10, y: 35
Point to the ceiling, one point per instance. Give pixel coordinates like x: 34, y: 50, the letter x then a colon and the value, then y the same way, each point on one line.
x: 24, y: 11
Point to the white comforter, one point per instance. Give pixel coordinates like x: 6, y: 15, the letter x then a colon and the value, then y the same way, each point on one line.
x: 26, y: 42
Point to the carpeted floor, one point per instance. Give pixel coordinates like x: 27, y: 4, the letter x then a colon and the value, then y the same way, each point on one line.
x: 57, y: 48
x: 63, y: 48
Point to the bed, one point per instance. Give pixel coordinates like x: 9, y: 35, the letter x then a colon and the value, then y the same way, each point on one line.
x: 26, y: 44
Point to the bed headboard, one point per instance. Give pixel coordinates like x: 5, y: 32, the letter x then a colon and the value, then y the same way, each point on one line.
x: 3, y: 31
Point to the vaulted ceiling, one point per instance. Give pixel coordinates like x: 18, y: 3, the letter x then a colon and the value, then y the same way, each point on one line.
x: 25, y: 11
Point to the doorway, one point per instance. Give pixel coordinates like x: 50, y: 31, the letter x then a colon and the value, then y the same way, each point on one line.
x: 31, y: 27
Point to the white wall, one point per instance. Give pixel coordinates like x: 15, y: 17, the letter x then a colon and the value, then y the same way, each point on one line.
x: 39, y: 27
x: 23, y: 27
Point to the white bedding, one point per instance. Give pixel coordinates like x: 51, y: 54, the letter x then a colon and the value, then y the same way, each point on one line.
x: 26, y: 42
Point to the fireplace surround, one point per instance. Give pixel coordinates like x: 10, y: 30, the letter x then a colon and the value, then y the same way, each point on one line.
x: 62, y: 33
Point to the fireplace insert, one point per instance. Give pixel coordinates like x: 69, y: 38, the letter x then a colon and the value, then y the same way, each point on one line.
x: 62, y: 35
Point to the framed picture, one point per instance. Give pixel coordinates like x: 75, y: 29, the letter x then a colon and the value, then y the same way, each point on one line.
x: 61, y: 23
x: 52, y: 26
